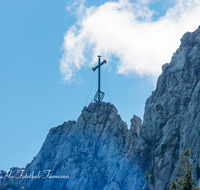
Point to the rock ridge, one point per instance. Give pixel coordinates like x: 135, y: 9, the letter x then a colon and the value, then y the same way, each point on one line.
x: 99, y: 152
x: 94, y: 152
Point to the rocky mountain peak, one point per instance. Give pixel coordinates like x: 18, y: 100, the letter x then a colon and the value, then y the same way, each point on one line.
x: 171, y: 119
x: 89, y: 151
x: 99, y: 152
x: 191, y: 38
x: 136, y: 124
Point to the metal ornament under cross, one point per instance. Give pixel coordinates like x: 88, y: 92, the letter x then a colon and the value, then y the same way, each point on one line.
x: 99, y: 94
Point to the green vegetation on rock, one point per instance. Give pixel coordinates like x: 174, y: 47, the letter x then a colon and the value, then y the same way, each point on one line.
x: 11, y: 185
x: 184, y: 179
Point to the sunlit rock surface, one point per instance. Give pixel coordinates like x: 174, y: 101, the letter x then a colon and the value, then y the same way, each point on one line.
x: 99, y: 152
x: 90, y: 151
x: 172, y: 114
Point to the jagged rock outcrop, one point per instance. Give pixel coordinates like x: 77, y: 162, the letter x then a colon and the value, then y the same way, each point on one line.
x: 136, y: 124
x: 99, y: 152
x: 90, y: 151
x: 172, y: 114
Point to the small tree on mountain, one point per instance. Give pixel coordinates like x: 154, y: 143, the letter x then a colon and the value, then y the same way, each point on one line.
x: 147, y: 183
x: 185, y: 181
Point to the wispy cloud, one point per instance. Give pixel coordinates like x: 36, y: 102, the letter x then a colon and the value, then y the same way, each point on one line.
x: 126, y: 30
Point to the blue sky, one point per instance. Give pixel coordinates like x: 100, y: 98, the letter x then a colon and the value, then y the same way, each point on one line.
x: 41, y: 42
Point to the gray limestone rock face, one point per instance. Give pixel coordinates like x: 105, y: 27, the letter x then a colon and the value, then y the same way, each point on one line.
x: 172, y: 114
x: 136, y: 124
x: 99, y: 152
x: 91, y: 152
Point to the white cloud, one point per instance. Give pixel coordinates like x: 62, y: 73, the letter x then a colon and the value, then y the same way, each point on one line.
x: 126, y: 30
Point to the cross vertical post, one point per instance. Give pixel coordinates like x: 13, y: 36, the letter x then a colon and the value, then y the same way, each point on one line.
x: 99, y: 79
x: 99, y: 94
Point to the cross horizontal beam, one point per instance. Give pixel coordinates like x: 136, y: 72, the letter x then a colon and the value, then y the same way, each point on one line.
x: 94, y: 68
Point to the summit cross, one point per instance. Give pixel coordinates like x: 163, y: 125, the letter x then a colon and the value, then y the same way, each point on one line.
x: 99, y: 94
